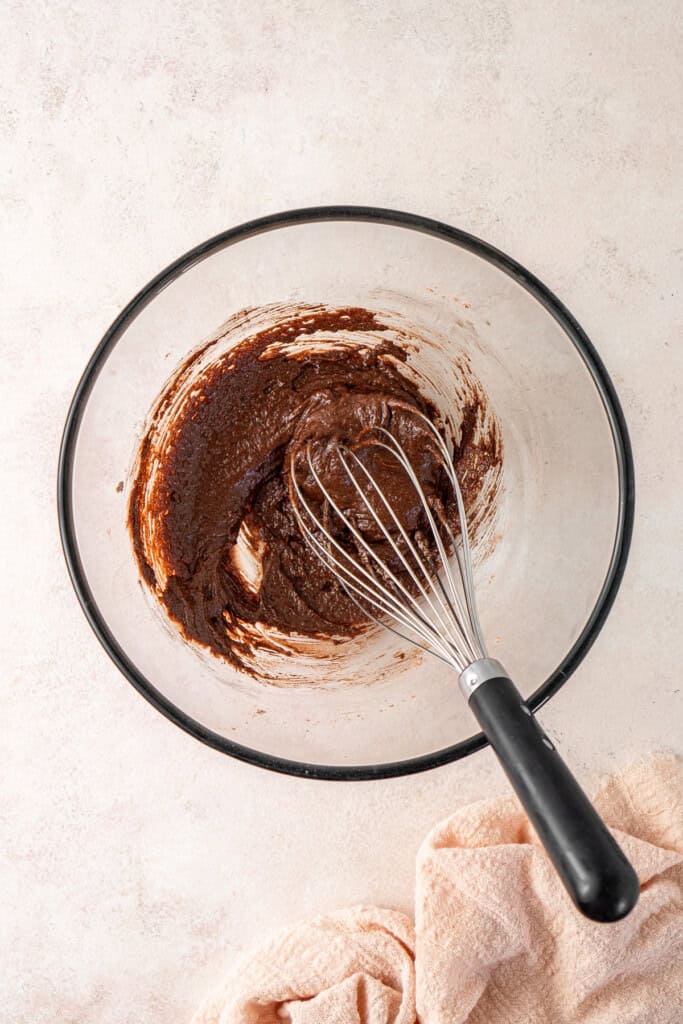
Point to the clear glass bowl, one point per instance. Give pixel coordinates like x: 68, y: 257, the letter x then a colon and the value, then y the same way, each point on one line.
x: 565, y: 511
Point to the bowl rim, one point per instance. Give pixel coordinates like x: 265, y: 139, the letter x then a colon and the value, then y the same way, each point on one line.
x: 575, y: 334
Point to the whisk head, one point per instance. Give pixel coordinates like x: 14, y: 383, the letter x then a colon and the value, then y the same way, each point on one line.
x: 424, y: 593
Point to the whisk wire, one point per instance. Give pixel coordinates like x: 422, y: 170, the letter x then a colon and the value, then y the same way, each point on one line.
x: 448, y: 659
x: 458, y: 614
x: 451, y: 622
x: 441, y: 614
x: 406, y: 538
x: 464, y: 552
x: 384, y: 568
x: 369, y: 588
x: 353, y: 585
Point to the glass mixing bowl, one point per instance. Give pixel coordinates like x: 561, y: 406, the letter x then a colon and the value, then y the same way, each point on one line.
x: 564, y: 516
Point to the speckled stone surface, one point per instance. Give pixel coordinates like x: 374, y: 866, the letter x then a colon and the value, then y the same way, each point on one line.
x: 134, y: 862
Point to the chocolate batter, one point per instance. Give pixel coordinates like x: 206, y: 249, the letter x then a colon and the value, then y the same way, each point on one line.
x: 210, y: 515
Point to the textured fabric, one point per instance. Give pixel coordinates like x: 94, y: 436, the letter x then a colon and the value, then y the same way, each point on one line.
x: 499, y: 941
x: 352, y: 967
x: 496, y: 939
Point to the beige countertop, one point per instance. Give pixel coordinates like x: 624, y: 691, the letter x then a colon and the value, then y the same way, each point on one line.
x: 134, y: 862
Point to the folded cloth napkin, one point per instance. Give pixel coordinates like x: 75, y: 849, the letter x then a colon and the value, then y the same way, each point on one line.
x: 496, y: 939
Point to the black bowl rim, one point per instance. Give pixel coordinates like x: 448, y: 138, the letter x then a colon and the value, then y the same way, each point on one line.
x: 528, y: 281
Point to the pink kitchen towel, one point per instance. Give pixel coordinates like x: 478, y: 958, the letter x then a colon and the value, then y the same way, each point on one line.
x: 496, y: 940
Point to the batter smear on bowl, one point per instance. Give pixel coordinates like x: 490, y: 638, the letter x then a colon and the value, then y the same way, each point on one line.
x: 213, y: 528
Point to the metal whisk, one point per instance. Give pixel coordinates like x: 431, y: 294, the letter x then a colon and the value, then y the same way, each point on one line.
x: 429, y: 600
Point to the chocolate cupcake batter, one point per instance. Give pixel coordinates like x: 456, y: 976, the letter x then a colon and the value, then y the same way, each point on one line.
x: 210, y: 515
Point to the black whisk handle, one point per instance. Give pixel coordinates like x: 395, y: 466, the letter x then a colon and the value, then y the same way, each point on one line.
x: 595, y: 872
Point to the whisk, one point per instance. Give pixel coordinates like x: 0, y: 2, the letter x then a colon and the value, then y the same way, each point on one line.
x: 429, y: 600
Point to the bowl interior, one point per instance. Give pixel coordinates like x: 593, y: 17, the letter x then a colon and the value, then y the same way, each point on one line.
x: 539, y: 579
